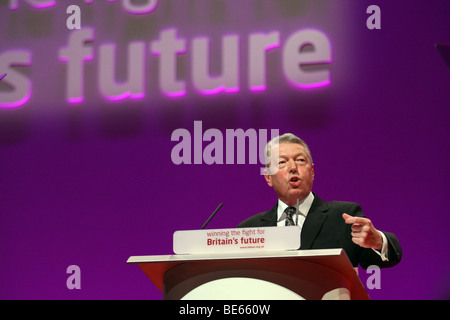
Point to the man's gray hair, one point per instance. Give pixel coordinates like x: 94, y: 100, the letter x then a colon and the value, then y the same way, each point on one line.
x: 285, y: 138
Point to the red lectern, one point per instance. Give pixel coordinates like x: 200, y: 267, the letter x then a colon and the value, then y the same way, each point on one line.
x: 271, y: 275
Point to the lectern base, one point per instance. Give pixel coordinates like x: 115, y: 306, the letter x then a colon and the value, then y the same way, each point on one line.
x: 271, y: 279
x: 307, y: 274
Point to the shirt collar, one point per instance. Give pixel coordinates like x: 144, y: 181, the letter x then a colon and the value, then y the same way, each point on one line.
x: 303, y: 207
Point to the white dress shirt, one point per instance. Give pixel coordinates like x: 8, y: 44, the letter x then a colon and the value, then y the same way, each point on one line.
x: 303, y: 209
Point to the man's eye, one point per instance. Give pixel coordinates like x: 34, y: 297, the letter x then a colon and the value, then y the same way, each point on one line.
x: 281, y: 163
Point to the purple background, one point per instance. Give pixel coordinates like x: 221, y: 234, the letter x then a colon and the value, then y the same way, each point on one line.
x: 93, y: 184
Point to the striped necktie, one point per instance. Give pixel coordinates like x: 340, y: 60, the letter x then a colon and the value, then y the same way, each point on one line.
x: 290, y: 211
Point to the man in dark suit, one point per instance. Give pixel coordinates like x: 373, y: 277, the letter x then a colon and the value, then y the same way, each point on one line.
x: 325, y: 225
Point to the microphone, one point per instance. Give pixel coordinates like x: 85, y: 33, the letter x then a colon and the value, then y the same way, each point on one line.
x: 214, y: 213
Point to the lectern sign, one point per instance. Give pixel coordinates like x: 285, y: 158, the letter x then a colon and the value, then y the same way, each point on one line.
x: 236, y: 240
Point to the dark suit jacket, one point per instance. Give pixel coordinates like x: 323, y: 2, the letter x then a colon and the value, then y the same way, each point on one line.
x: 324, y: 228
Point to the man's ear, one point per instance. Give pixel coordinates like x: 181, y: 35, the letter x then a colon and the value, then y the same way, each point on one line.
x: 268, y: 177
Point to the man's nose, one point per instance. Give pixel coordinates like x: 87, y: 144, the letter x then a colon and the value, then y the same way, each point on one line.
x: 292, y: 166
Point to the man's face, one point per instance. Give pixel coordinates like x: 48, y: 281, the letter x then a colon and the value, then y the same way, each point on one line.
x: 295, y: 175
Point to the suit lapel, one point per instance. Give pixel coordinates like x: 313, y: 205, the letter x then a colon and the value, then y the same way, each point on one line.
x: 313, y: 223
x: 269, y: 218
